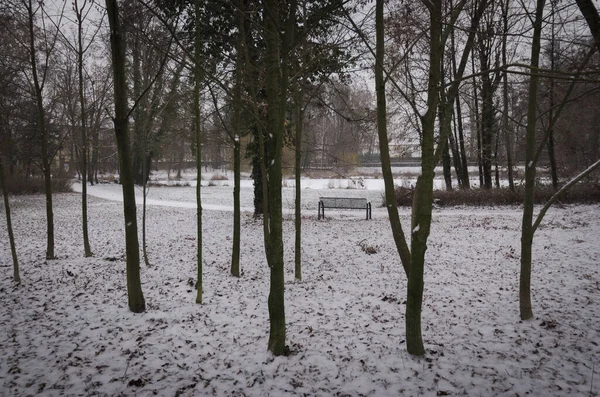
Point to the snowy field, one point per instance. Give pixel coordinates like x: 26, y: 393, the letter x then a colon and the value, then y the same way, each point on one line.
x: 67, y: 331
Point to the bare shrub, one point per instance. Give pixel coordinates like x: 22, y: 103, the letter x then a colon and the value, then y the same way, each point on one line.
x: 219, y: 177
x: 36, y: 185
x: 582, y: 193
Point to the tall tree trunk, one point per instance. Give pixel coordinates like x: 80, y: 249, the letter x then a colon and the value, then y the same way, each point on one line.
x: 447, y: 168
x: 423, y: 195
x: 496, y: 166
x: 237, y: 132
x: 137, y: 303
x: 384, y: 149
x: 139, y: 134
x: 145, y: 195
x: 552, y: 157
x: 235, y: 254
x: 94, y: 162
x: 43, y: 130
x: 530, y: 168
x: 299, y: 120
x: 478, y: 127
x: 487, y: 128
x: 11, y: 237
x: 462, y: 153
x: 84, y: 136
x: 505, y: 123
x: 197, y: 131
x: 276, y: 85
x: 550, y: 145
x: 445, y: 127
x: 445, y: 131
x: 461, y: 141
x: 452, y: 142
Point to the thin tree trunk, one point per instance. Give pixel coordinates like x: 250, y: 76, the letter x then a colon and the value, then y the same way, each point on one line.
x: 552, y: 158
x: 384, y: 149
x: 487, y: 127
x: 137, y: 303
x: 477, y: 127
x: 145, y: 195
x: 445, y: 127
x: 496, y: 167
x: 447, y: 168
x: 94, y: 165
x: 461, y: 140
x: 11, y: 237
x: 299, y: 119
x: 84, y: 138
x: 507, y: 134
x: 44, y: 136
x: 235, y: 255
x: 530, y: 171
x: 452, y: 141
x: 423, y: 195
x: 550, y: 145
x: 466, y: 184
x: 237, y: 127
x: 197, y: 130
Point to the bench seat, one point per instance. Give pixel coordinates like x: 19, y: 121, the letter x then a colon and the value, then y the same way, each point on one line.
x: 348, y: 203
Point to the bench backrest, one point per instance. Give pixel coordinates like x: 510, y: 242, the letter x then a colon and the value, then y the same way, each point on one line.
x: 344, y: 202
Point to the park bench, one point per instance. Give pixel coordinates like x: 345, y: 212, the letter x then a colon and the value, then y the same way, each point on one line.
x: 346, y: 203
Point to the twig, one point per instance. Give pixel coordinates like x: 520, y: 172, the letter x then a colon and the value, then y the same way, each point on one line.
x: 592, y: 382
x: 126, y: 368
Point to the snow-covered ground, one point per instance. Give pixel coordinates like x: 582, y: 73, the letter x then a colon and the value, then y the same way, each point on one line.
x: 66, y: 330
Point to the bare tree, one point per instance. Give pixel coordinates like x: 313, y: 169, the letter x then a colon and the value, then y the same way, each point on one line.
x: 137, y: 303
x: 413, y: 258
x: 39, y: 74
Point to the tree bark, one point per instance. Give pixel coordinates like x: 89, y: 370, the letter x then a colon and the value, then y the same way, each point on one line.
x: 462, y: 154
x: 145, y: 195
x: 237, y: 131
x: 11, y: 237
x: 423, y: 196
x: 299, y: 119
x: 507, y: 133
x: 84, y: 136
x: 276, y: 86
x: 445, y: 133
x: 137, y: 303
x: 487, y: 123
x: 550, y: 144
x: 197, y: 131
x: 384, y: 149
x: 477, y: 126
x: 530, y: 170
x: 43, y: 130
